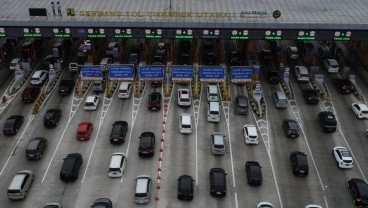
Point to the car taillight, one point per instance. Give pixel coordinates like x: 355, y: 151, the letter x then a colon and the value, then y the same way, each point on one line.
x: 309, y: 98
x: 179, y: 193
x: 212, y: 190
x: 149, y: 105
x: 358, y: 199
x: 344, y: 87
x: 158, y: 105
x: 289, y: 132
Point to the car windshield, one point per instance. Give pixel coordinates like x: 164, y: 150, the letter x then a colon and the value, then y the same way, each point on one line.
x: 186, y: 126
x: 81, y: 133
x: 214, y: 112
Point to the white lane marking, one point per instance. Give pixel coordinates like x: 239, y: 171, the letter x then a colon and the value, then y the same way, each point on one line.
x: 236, y: 199
x: 325, y: 201
x: 16, y: 145
x: 196, y: 134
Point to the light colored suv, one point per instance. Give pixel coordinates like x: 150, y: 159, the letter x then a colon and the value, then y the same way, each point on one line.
x: 343, y: 157
x: 39, y: 77
x: 301, y: 74
x: 250, y: 134
x: 91, y: 102
x: 331, y: 65
x: 217, y: 144
x: 143, y: 189
x: 19, y: 186
x: 184, y: 98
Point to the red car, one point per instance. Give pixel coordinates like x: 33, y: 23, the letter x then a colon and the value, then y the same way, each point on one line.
x: 84, y: 130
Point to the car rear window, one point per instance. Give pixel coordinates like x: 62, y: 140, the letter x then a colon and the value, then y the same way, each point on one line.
x: 81, y: 133
x: 140, y: 194
x: 123, y: 91
x: 185, y: 126
x: 186, y: 185
x: 89, y: 104
x: 214, y: 112
x: 10, y: 191
x: 218, y: 146
x: 184, y: 99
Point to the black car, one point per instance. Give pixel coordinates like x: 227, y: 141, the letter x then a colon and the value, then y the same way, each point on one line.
x: 52, y: 117
x: 12, y: 124
x: 273, y: 77
x: 327, y: 121
x: 154, y: 101
x: 345, y: 86
x: 66, y: 86
x: 291, y: 128
x: 102, y: 203
x: 30, y: 94
x: 359, y: 191
x: 185, y: 187
x: 35, y: 148
x: 146, y: 144
x: 118, y: 132
x: 266, y: 55
x: 133, y: 59
x: 310, y: 96
x: 235, y: 59
x: 299, y: 163
x: 218, y: 182
x: 70, y: 169
x: 254, y: 173
x: 211, y: 59
x: 185, y: 59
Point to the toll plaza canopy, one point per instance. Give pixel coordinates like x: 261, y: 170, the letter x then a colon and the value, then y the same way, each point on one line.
x: 203, y: 14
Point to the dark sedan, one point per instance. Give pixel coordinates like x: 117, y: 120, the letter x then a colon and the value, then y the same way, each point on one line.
x: 146, y: 144
x: 254, y: 173
x: 52, y: 117
x: 102, y: 203
x: 12, y: 124
x: 185, y: 187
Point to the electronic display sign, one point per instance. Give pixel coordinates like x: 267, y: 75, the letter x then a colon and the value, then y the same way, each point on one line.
x: 184, y: 34
x: 239, y: 35
x: 96, y: 33
x: 61, y: 32
x: 153, y: 33
x: 342, y: 36
x: 181, y: 73
x: 121, y: 72
x: 151, y: 72
x: 273, y: 35
x: 241, y: 74
x: 212, y: 73
x: 91, y: 73
x: 123, y: 33
x: 32, y: 32
x: 306, y: 35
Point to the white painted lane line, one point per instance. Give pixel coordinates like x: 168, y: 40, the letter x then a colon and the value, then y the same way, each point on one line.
x: 16, y: 145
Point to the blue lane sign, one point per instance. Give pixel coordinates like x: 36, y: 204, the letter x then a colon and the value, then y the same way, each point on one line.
x: 241, y: 74
x: 91, y: 72
x: 180, y: 73
x: 212, y: 74
x: 121, y: 72
x: 151, y: 72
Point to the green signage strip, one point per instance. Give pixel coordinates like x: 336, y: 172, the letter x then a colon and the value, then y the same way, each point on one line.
x: 32, y: 35
x: 238, y: 37
x: 272, y: 37
x: 184, y: 36
x: 60, y: 35
x: 123, y: 36
x: 153, y: 36
x: 2, y: 35
x: 306, y: 38
x: 96, y: 36
x: 342, y: 38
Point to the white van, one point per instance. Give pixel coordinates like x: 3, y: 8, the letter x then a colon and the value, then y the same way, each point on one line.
x: 213, y: 112
x: 185, y: 123
x: 117, y: 165
x: 19, y: 186
x: 212, y: 93
x: 279, y: 99
x: 124, y: 90
x: 301, y: 74
x: 143, y: 189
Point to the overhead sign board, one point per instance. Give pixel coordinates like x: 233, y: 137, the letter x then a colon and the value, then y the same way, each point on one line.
x: 121, y: 72
x: 241, y: 74
x: 212, y: 73
x: 182, y: 73
x: 151, y: 72
x: 91, y: 73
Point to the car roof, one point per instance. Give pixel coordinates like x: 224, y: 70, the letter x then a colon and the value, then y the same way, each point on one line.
x: 252, y: 130
x: 83, y: 126
x: 38, y: 73
x: 218, y: 138
x: 293, y: 48
x: 90, y: 98
x: 115, y: 160
x: 362, y: 106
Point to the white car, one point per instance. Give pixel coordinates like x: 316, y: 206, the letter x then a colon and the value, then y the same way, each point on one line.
x: 14, y: 63
x: 39, y: 77
x: 360, y: 110
x: 250, y: 134
x: 343, y: 157
x: 292, y: 52
x: 117, y: 165
x: 331, y: 65
x: 313, y: 206
x: 301, y: 74
x: 184, y: 98
x: 91, y: 102
x: 264, y: 205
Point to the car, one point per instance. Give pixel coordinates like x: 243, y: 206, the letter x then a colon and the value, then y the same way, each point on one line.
x: 184, y: 98
x: 39, y: 77
x: 291, y: 128
x: 35, y: 148
x: 359, y: 191
x: 313, y: 206
x: 299, y: 163
x: 343, y: 157
x: 52, y: 117
x: 345, y: 86
x: 20, y: 185
x: 254, y: 173
x: 331, y: 65
x: 250, y: 134
x: 118, y: 132
x: 211, y: 59
x: 117, y: 165
x: 157, y: 60
x: 266, y: 55
x: 154, y: 101
x: 15, y: 64
x: 66, y: 86
x: 52, y: 205
x: 12, y: 124
x: 217, y: 143
x: 102, y: 203
x: 84, y: 130
x: 133, y: 59
x: 91, y: 102
x: 273, y: 77
x: 327, y: 121
x: 30, y: 94
x: 73, y: 67
x: 241, y: 105
x: 146, y: 144
x: 310, y: 96
x: 156, y: 83
x: 292, y: 52
x: 70, y: 169
x: 218, y: 182
x: 185, y: 187
x: 360, y: 110
x: 301, y: 73
x: 264, y: 205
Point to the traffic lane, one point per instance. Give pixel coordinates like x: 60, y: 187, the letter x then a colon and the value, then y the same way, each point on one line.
x: 242, y: 153
x: 206, y: 160
x: 179, y: 155
x: 96, y: 172
x: 145, y: 121
x: 6, y: 76
x: 334, y: 179
x: 69, y: 144
x: 289, y: 184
